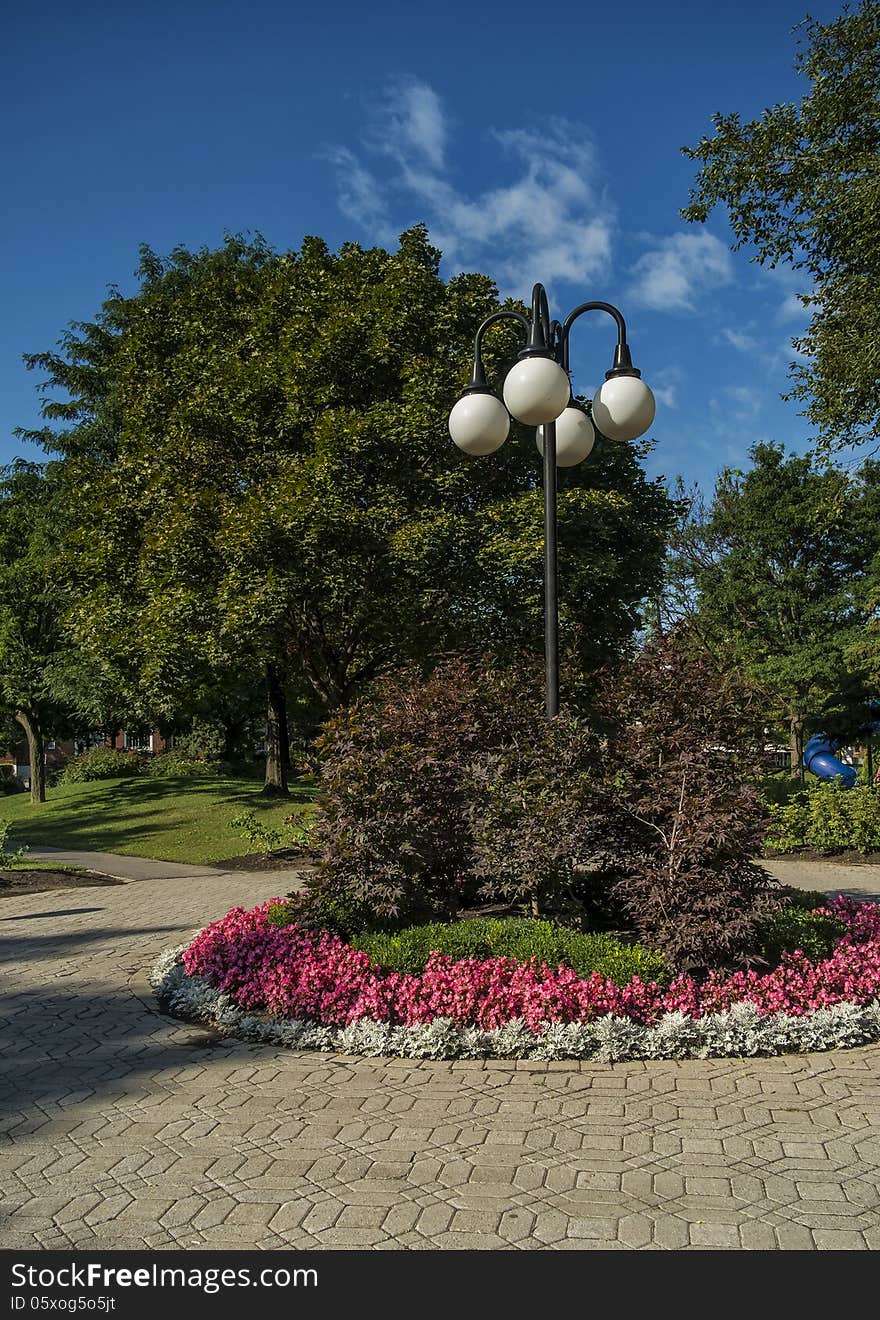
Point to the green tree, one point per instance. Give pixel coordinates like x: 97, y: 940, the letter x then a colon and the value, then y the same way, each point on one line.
x: 772, y: 577
x: 264, y: 435
x: 801, y: 184
x: 33, y: 651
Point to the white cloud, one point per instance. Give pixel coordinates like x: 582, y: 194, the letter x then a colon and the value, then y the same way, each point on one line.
x: 411, y: 121
x: 741, y: 403
x: 678, y: 270
x: 790, y: 283
x: 792, y: 309
x: 664, y: 385
x: 552, y: 222
x: 358, y: 193
x: 740, y: 340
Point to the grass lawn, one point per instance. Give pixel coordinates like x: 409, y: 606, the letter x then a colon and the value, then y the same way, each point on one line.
x: 174, y: 820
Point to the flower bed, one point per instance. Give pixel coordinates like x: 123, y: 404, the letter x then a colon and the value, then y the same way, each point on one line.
x: 309, y: 989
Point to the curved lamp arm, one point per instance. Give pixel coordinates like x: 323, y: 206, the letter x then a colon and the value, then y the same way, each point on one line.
x: 622, y: 358
x: 478, y: 375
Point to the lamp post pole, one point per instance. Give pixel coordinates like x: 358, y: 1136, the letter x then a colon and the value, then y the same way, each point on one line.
x: 537, y: 391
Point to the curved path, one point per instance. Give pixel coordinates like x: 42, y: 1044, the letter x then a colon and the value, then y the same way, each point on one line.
x: 120, y: 1128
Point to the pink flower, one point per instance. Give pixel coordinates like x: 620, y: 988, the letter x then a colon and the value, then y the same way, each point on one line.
x: 292, y: 972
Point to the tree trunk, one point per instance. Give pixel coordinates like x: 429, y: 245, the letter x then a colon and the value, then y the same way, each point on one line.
x: 231, y: 734
x: 796, y: 744
x: 30, y: 722
x: 277, y: 744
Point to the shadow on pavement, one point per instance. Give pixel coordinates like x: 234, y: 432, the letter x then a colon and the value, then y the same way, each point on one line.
x: 25, y: 948
x: 58, y: 912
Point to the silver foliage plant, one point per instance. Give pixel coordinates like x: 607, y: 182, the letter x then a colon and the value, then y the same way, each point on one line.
x: 739, y: 1032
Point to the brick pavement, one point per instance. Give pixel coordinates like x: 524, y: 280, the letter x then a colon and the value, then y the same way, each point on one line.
x: 122, y: 1129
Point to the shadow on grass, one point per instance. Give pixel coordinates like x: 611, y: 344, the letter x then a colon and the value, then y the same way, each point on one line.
x: 110, y: 815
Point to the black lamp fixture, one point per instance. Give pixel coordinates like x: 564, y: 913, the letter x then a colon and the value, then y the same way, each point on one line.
x: 537, y: 391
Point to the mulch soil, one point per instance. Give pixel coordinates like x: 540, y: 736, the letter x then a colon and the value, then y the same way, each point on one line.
x: 13, y: 883
x: 285, y: 859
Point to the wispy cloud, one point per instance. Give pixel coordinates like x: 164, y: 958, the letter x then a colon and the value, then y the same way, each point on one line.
x: 359, y: 194
x: 739, y: 339
x: 790, y: 284
x: 792, y: 309
x: 738, y: 404
x: 554, y: 218
x: 410, y: 122
x: 678, y: 269
x: 665, y: 384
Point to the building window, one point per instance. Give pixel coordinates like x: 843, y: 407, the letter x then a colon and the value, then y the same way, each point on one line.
x: 138, y: 742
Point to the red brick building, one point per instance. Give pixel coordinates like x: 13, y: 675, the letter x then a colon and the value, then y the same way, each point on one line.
x: 16, y: 761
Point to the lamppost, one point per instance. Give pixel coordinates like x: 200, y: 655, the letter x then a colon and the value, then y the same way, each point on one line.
x: 537, y: 391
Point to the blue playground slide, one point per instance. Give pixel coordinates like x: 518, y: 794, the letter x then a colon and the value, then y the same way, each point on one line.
x: 820, y: 760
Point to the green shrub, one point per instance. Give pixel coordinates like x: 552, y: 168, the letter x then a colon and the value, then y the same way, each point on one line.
x: 259, y: 836
x: 179, y: 764
x: 779, y: 789
x: 319, y: 911
x: 804, y: 899
x: 281, y: 914
x: 519, y: 938
x: 814, y: 933
x: 205, y: 741
x: 828, y: 818
x: 8, y: 782
x: 9, y: 860
x: 101, y: 763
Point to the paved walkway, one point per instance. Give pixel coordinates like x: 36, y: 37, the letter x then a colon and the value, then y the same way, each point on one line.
x: 122, y: 1129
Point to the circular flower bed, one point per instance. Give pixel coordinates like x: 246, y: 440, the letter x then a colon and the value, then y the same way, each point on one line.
x: 309, y: 989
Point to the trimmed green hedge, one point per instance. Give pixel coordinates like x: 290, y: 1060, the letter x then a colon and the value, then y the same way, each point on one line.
x: 814, y: 933
x: 520, y: 938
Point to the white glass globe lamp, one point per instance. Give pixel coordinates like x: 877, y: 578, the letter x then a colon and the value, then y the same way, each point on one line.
x: 479, y: 423
x: 623, y: 408
x: 536, y: 390
x: 575, y: 437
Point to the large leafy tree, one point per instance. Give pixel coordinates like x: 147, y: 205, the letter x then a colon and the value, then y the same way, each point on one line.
x: 801, y: 184
x: 35, y: 658
x: 259, y: 441
x: 774, y: 575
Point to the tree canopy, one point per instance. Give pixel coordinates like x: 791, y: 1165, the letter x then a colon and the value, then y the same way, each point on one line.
x: 260, y: 439
x: 801, y: 184
x: 775, y: 577
x: 35, y: 661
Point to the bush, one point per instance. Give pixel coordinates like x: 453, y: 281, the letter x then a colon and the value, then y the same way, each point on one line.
x: 536, y: 813
x: 8, y: 782
x: 687, y: 743
x: 319, y: 911
x: 433, y: 790
x: 101, y: 763
x: 179, y: 764
x: 827, y: 818
x: 9, y: 860
x: 806, y: 900
x: 259, y: 836
x: 814, y: 933
x: 205, y: 741
x: 519, y: 938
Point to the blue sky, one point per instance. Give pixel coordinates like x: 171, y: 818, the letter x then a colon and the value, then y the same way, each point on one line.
x: 536, y: 144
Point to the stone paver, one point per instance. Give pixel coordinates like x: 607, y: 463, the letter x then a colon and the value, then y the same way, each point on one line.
x: 121, y: 1128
